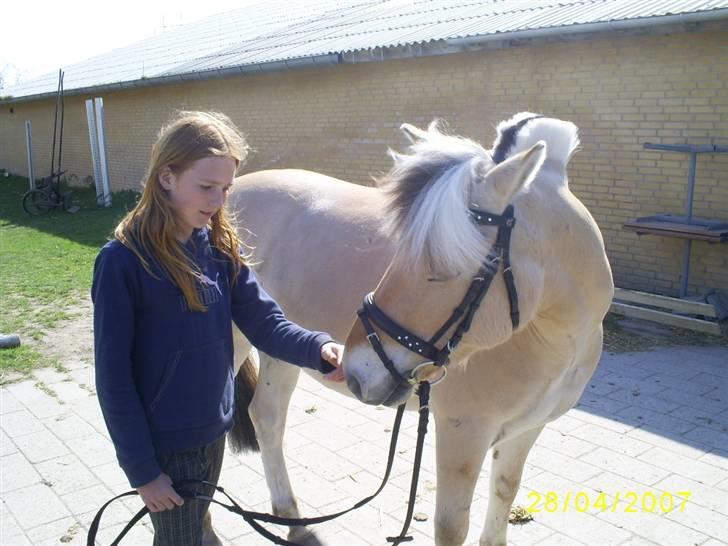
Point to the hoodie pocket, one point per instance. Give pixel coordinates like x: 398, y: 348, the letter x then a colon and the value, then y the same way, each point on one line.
x: 196, y: 389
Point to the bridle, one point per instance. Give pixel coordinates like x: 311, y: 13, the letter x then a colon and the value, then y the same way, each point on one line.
x: 370, y: 315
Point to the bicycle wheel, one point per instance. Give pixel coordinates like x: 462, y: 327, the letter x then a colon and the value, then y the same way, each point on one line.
x: 35, y: 202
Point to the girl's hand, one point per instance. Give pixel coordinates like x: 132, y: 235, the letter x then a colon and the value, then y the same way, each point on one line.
x: 332, y: 353
x: 159, y: 495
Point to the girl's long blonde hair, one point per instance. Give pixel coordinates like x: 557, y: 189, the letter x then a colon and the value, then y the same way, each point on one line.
x: 150, y: 229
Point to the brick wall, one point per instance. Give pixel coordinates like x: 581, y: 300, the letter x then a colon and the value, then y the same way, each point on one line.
x: 621, y: 91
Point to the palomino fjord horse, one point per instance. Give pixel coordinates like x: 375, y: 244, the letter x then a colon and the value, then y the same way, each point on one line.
x: 418, y: 241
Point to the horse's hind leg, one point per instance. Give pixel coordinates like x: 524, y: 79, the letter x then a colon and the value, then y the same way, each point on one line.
x: 268, y: 411
x: 506, y: 469
x: 461, y: 447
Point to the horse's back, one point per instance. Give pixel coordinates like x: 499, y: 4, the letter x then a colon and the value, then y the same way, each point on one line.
x: 316, y: 239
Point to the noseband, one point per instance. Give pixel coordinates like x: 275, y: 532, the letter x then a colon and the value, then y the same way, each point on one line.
x: 371, y: 315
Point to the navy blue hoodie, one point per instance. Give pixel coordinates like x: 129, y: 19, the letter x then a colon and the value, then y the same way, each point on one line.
x: 164, y: 373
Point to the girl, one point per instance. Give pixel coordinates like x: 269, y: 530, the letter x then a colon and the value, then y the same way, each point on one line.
x: 166, y: 290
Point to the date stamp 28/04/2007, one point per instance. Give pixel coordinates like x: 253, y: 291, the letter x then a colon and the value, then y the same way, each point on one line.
x: 630, y: 502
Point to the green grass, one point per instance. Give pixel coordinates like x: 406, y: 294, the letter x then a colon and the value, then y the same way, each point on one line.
x: 46, y: 264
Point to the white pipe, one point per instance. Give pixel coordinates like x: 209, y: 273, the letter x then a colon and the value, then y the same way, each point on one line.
x: 99, y: 103
x: 29, y: 148
x: 94, y: 142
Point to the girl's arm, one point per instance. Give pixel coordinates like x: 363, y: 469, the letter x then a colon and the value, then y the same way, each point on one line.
x: 113, y: 295
x: 262, y: 321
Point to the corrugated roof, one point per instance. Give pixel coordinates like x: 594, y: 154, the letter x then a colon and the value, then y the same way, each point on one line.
x: 287, y: 30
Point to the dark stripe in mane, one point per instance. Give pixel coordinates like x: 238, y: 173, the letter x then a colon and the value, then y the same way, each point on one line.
x: 507, y: 139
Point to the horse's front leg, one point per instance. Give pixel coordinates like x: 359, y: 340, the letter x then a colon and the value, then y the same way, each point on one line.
x: 506, y: 469
x: 461, y: 447
x: 268, y: 411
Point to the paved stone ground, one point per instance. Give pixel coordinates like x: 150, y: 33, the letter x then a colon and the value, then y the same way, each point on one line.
x: 650, y: 425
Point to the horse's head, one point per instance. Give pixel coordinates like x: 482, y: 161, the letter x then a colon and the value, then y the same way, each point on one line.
x: 447, y: 252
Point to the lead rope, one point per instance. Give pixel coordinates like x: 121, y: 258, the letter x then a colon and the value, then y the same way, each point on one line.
x: 252, y: 518
x: 423, y: 391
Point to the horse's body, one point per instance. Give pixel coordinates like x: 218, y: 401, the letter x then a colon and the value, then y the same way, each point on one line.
x: 323, y: 244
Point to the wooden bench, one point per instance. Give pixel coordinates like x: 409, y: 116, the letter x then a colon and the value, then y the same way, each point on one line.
x: 666, y: 310
x: 712, y: 231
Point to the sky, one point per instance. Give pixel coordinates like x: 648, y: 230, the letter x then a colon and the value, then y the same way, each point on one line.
x: 41, y: 36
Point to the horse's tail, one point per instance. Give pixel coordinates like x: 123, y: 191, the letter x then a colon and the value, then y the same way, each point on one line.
x: 242, y: 436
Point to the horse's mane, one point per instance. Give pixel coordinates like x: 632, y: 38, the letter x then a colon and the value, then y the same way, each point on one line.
x: 428, y: 205
x: 429, y: 189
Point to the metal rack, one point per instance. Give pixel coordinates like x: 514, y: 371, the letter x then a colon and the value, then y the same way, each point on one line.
x: 685, y: 227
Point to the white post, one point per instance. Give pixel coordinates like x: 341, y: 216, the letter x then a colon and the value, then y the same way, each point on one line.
x: 29, y: 148
x: 99, y: 103
x: 94, y: 141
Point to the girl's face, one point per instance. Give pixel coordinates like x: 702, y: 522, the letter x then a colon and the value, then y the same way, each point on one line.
x: 198, y: 192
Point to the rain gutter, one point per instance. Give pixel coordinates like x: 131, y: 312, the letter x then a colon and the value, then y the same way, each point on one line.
x: 247, y: 69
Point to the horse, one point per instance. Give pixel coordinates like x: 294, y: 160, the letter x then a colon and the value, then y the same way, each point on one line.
x: 420, y: 240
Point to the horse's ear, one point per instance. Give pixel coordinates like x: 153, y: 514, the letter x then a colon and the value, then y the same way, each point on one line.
x: 509, y: 177
x: 412, y: 133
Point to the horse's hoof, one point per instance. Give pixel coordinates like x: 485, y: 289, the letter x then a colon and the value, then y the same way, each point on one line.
x: 305, y: 537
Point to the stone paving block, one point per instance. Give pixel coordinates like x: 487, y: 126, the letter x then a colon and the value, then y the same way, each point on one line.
x: 684, y: 466
x: 85, y: 375
x: 562, y: 465
x: 531, y: 533
x: 139, y: 534
x: 8, y: 403
x: 621, y: 443
x: 61, y: 531
x: 654, y: 420
x: 93, y: 450
x: 639, y: 399
x: 628, y: 467
x: 588, y: 416
x: 702, y: 418
x: 701, y: 519
x: 688, y: 399
x: 16, y: 472
x: 565, y: 423
x: 65, y: 474
x: 717, y: 458
x: 700, y: 494
x: 652, y: 526
x: 567, y: 444
x: 612, y: 484
x: 35, y: 400
x: 559, y: 539
x: 82, y: 500
x: 35, y: 505
x: 114, y: 514
x: 670, y: 441
x: 322, y: 462
x: 68, y: 426
x: 601, y: 405
x: 20, y: 423
x: 49, y: 376
x: 6, y: 444
x: 68, y: 392
x: 713, y: 438
x: 40, y: 446
x: 111, y: 476
x: 18, y: 540
x: 8, y: 526
x: 327, y: 435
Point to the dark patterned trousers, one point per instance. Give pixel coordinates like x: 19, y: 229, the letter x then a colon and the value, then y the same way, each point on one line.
x: 183, y: 526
